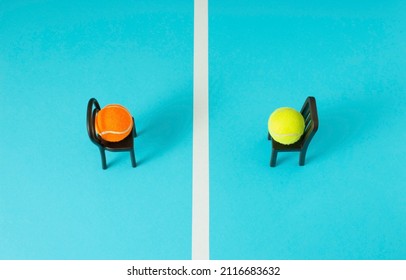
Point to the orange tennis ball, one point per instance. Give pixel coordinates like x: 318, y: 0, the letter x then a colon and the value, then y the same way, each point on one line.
x: 114, y: 123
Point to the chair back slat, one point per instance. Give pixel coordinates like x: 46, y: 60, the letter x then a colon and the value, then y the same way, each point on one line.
x: 307, y: 119
x: 90, y: 120
x: 309, y: 112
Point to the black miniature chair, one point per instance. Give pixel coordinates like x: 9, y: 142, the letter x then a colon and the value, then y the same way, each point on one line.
x: 125, y: 145
x: 309, y: 113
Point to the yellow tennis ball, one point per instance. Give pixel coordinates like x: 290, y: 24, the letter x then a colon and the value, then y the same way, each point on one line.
x: 286, y: 125
x: 114, y: 123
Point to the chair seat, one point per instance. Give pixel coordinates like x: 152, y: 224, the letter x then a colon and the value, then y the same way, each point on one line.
x: 125, y: 144
x: 297, y: 146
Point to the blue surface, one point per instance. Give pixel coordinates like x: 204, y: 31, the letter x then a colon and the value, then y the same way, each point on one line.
x: 349, y: 200
x: 55, y: 200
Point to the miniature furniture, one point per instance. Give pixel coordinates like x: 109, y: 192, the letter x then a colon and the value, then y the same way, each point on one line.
x: 309, y: 113
x: 125, y: 145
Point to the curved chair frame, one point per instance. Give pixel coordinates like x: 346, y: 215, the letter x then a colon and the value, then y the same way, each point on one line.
x: 309, y: 113
x: 125, y: 145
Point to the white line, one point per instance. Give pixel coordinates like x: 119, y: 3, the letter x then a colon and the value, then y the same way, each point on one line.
x: 200, y: 171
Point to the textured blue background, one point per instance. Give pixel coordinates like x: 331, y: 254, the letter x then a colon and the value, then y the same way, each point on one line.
x: 55, y: 200
x: 349, y: 200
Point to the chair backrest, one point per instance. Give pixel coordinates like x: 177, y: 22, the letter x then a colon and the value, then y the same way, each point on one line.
x: 309, y: 112
x: 90, y: 120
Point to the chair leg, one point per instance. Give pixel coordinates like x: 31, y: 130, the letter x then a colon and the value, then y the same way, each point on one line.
x: 103, y: 158
x: 135, y: 131
x: 273, y: 158
x: 302, y: 157
x: 132, y: 154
